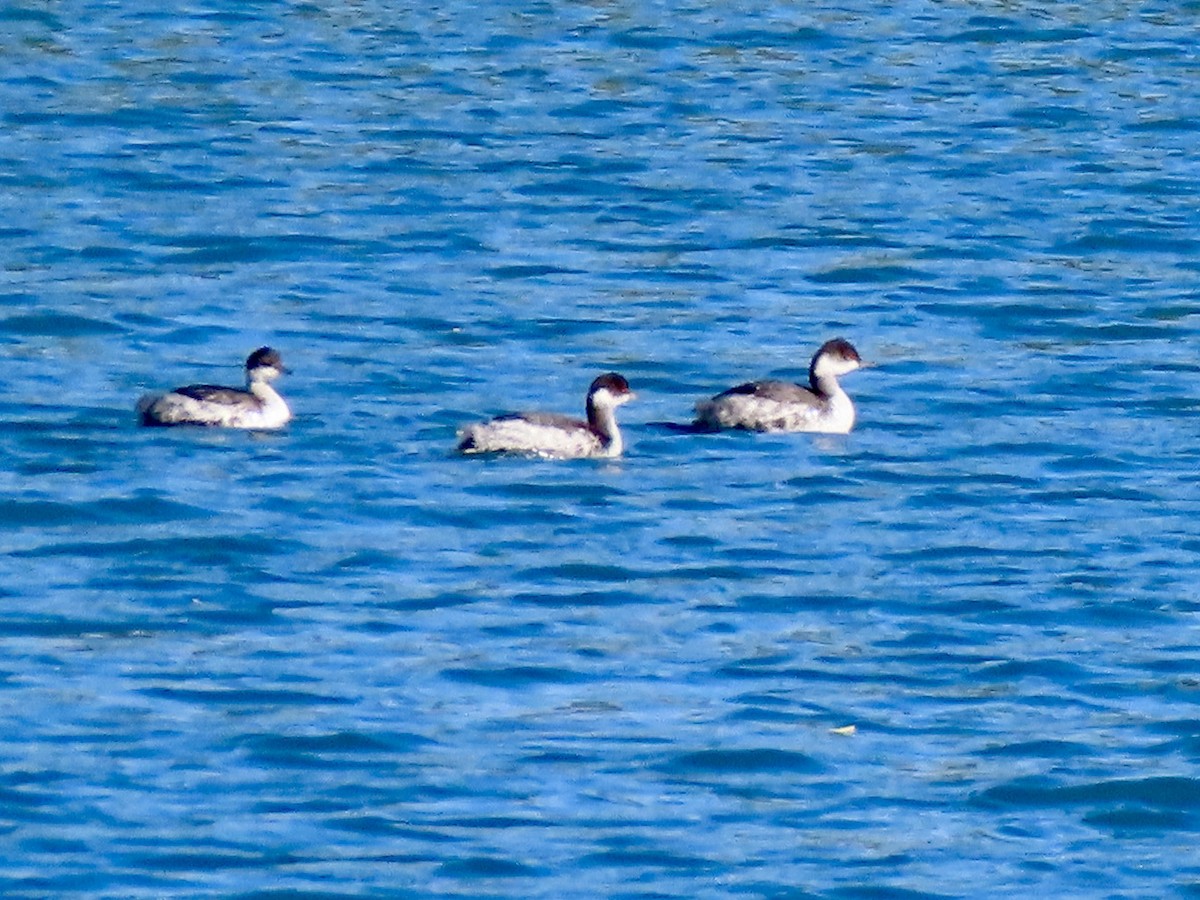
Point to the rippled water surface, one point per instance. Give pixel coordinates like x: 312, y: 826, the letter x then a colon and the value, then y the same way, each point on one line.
x: 954, y: 653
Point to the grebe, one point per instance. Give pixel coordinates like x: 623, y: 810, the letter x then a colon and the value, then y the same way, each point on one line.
x: 259, y: 406
x: 553, y: 435
x: 782, y: 406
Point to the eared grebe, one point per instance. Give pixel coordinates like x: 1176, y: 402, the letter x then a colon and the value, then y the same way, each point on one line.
x: 259, y: 406
x: 781, y: 406
x: 549, y: 434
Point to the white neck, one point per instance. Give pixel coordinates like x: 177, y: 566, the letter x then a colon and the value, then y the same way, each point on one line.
x: 273, y: 406
x: 838, y: 403
x: 605, y: 421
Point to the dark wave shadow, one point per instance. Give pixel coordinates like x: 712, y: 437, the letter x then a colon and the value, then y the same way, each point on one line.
x: 683, y: 427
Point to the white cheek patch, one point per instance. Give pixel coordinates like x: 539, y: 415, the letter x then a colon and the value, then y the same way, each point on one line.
x: 605, y: 397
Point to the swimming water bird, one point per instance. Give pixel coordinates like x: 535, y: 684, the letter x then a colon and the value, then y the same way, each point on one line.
x: 782, y: 406
x: 259, y: 406
x: 553, y: 435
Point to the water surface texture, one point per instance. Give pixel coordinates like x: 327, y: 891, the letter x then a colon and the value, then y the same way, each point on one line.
x: 954, y: 653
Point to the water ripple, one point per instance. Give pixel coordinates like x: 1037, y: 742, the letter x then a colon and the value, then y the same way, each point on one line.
x: 949, y: 654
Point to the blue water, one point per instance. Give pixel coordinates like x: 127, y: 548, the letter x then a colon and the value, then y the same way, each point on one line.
x: 954, y: 653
